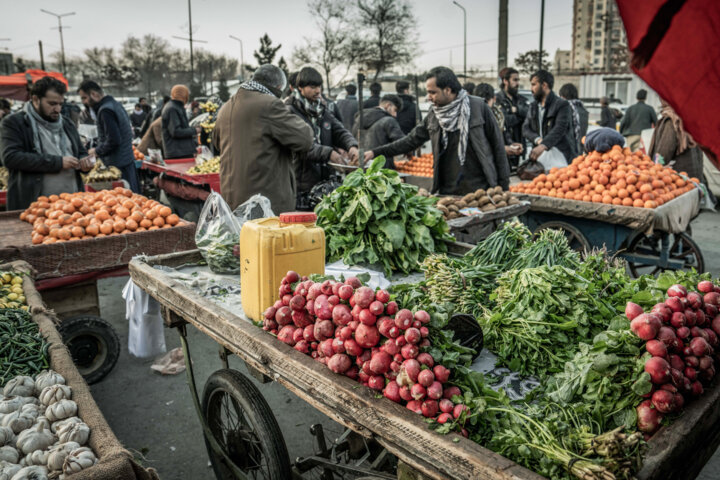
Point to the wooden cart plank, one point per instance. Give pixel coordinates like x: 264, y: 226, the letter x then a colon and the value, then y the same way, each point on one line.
x: 402, y: 432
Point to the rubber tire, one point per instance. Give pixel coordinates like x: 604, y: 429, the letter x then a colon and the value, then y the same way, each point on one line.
x: 700, y: 267
x: 103, y: 332
x: 577, y: 234
x: 259, y: 415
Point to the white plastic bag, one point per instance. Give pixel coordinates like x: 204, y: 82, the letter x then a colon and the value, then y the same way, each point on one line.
x: 255, y: 207
x: 552, y: 158
x: 146, y: 333
x: 204, y: 154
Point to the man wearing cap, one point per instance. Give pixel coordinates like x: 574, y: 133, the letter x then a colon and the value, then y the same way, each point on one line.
x: 179, y: 138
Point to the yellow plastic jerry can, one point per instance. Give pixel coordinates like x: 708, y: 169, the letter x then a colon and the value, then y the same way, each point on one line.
x: 269, y: 248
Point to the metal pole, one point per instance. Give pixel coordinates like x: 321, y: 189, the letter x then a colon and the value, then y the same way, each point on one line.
x: 242, y: 60
x: 42, y: 57
x: 502, y: 35
x: 361, y: 151
x: 542, y: 27
x: 464, y: 38
x: 192, y: 61
x: 60, y: 29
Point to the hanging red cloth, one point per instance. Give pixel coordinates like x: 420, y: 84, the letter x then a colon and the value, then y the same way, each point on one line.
x: 675, y: 50
x: 15, y: 86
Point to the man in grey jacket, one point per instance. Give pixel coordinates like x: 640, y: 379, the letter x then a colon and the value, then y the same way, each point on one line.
x: 380, y: 125
x: 466, y: 141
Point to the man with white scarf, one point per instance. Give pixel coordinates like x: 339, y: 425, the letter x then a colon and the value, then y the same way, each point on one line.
x: 466, y: 140
x: 40, y: 148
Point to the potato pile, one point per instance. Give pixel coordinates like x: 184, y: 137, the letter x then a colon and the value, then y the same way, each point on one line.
x: 485, y: 200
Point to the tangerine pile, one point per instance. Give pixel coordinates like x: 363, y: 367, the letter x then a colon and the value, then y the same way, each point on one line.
x: 138, y: 154
x: 421, y: 166
x: 82, y: 215
x: 617, y: 177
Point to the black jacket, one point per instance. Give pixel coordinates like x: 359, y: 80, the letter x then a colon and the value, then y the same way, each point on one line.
x: 513, y: 120
x: 379, y: 128
x: 372, y: 101
x: 311, y: 168
x: 557, y: 126
x: 115, y: 134
x: 348, y: 107
x: 407, y: 116
x: 637, y: 118
x: 25, y: 164
x: 607, y: 119
x: 485, y: 140
x: 178, y: 136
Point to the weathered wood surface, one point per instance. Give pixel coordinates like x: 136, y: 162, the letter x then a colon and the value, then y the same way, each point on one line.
x: 402, y: 432
x: 485, y: 217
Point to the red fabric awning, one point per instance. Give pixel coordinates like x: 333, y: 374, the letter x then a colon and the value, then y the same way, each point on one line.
x: 15, y: 86
x: 674, y: 45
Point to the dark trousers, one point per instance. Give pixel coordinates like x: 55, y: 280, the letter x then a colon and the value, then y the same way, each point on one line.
x: 129, y: 174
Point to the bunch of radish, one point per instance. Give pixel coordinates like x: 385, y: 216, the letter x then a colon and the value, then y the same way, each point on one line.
x: 361, y: 334
x: 681, y: 334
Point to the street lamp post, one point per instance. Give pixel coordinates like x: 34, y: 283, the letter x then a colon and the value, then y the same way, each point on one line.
x: 242, y: 59
x: 464, y: 38
x: 542, y: 27
x: 60, y: 29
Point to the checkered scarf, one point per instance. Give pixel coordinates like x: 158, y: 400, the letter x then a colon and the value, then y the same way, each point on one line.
x: 455, y: 116
x: 254, y: 86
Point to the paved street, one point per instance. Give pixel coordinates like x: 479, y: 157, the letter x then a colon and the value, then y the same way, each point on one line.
x: 153, y: 415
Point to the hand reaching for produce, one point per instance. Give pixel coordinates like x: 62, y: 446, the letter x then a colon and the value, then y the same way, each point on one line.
x: 335, y: 157
x: 86, y: 164
x: 354, y: 155
x: 537, y: 151
x: 369, y: 155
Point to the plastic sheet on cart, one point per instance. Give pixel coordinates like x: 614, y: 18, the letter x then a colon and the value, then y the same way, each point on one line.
x: 146, y: 334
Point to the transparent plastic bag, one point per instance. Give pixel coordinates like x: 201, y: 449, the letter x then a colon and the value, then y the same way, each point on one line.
x: 255, y: 207
x: 217, y: 233
x: 155, y: 156
x: 204, y: 154
x: 146, y: 333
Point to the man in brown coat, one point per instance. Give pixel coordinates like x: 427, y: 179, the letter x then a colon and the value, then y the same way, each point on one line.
x: 257, y: 136
x: 152, y: 138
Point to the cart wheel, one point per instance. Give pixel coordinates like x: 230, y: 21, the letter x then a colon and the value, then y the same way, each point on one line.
x: 245, y: 428
x: 576, y: 239
x: 94, y: 346
x: 682, y: 248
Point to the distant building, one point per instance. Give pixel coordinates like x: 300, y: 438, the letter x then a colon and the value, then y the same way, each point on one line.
x: 618, y: 87
x: 6, y: 64
x: 563, y: 61
x: 599, y: 41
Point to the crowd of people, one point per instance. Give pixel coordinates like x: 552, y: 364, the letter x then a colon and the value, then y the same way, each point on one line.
x: 281, y: 136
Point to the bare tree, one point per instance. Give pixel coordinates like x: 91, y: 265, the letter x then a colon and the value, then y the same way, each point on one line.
x: 527, y: 62
x: 335, y: 46
x: 389, y: 36
x: 151, y: 56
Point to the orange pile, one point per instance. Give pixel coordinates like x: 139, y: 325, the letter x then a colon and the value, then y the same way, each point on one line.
x: 138, y: 154
x: 82, y: 215
x: 617, y: 177
x: 421, y: 166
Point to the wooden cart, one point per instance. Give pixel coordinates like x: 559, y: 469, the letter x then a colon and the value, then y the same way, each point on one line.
x: 67, y: 274
x: 114, y: 461
x: 475, y: 228
x: 236, y: 448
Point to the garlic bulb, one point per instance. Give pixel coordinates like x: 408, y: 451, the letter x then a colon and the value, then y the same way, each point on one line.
x: 6, y: 436
x: 54, y: 393
x: 31, y: 410
x: 55, y: 427
x: 61, y: 410
x: 9, y: 454
x: 17, y: 421
x: 36, y: 438
x: 74, y: 432
x: 8, y: 470
x: 47, y: 378
x: 42, y: 420
x: 10, y: 404
x: 79, y: 459
x: 34, y: 472
x: 21, y: 385
x: 58, y: 454
x: 38, y: 457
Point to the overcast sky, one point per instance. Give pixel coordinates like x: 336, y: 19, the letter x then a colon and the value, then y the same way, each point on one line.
x: 105, y: 23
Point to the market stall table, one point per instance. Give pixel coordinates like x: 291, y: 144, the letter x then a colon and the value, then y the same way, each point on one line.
x: 67, y: 274
x: 401, y: 432
x: 474, y: 228
x: 115, y: 462
x: 650, y: 240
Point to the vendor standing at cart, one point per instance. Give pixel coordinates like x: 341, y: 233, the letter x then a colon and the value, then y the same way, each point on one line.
x: 179, y: 138
x: 40, y: 148
x: 466, y: 140
x: 115, y: 134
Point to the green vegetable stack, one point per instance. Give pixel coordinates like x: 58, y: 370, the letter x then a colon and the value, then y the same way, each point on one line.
x: 23, y: 350
x: 375, y: 218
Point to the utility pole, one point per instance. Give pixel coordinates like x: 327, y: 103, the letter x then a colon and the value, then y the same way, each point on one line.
x: 542, y: 27
x: 242, y: 59
x: 502, y: 35
x: 42, y: 57
x: 60, y: 29
x: 191, y: 40
x: 464, y: 38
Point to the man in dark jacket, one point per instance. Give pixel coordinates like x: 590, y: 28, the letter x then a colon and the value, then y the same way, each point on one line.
x: 137, y: 117
x: 115, y: 134
x: 466, y: 141
x: 514, y: 108
x: 407, y: 117
x: 607, y: 119
x: 348, y: 106
x: 179, y: 138
x: 637, y: 118
x: 40, y: 148
x: 549, y: 120
x: 380, y: 126
x: 329, y: 133
x: 257, y: 137
x: 580, y: 116
x: 374, y: 98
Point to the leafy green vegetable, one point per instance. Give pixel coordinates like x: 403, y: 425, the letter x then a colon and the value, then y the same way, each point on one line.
x: 375, y: 218
x: 550, y: 248
x: 23, y: 349
x: 501, y: 246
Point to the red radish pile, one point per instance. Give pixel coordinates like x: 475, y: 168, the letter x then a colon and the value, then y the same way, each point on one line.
x: 363, y: 335
x: 681, y: 335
